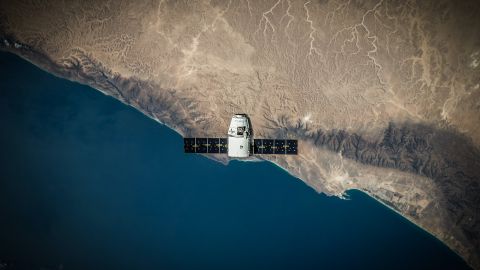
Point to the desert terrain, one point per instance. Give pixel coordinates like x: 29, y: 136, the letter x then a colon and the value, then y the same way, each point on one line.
x: 383, y: 96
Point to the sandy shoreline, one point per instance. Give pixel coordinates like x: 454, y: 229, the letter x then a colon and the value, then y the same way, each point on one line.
x: 56, y: 71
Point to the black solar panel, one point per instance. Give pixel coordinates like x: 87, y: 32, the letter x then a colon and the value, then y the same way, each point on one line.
x: 202, y: 145
x: 292, y: 147
x: 267, y: 146
x: 279, y: 147
x: 276, y: 147
x: 223, y: 145
x: 257, y: 146
x: 189, y: 145
x: 213, y: 145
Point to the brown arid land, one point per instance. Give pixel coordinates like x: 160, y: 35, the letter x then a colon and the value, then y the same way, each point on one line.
x: 383, y: 95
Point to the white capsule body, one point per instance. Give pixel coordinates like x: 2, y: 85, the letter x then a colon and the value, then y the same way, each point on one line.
x: 239, y: 134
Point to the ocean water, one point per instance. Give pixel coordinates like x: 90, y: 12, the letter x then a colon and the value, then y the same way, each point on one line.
x: 89, y: 183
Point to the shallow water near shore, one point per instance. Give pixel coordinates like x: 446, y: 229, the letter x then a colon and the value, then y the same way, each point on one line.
x: 90, y: 183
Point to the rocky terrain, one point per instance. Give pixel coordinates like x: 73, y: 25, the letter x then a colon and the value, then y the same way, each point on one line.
x: 384, y: 96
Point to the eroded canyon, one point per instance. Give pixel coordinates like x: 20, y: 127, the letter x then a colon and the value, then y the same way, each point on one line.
x: 384, y: 96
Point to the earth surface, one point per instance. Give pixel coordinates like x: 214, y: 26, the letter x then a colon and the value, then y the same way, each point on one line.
x: 383, y: 96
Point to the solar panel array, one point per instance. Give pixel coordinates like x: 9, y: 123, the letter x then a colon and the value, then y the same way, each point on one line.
x: 259, y: 146
x: 205, y: 145
x: 276, y: 147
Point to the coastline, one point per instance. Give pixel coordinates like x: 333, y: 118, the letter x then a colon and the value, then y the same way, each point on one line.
x: 47, y: 65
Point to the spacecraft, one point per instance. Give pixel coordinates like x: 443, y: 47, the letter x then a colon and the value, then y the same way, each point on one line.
x: 239, y: 142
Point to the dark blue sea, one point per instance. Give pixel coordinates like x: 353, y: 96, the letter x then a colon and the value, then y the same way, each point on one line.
x: 89, y: 183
